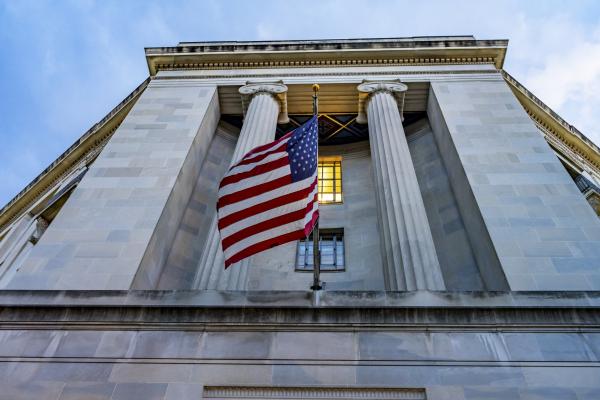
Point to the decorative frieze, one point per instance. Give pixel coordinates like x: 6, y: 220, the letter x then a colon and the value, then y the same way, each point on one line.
x: 326, y: 63
x: 252, y: 392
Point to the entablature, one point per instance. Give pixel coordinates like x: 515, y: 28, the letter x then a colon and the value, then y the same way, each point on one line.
x: 336, y: 52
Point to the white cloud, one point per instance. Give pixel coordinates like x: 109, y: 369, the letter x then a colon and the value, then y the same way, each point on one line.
x: 558, y: 59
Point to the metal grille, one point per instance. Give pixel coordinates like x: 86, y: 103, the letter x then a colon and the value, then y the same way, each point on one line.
x: 331, y: 245
x: 317, y: 393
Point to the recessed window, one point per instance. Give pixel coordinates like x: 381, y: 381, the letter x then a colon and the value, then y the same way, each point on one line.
x: 330, y: 180
x: 331, y: 243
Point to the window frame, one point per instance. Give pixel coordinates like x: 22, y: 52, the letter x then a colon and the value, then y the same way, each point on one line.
x: 336, y: 164
x: 303, y: 245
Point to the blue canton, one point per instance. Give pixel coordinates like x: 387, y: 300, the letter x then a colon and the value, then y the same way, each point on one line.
x: 302, y: 150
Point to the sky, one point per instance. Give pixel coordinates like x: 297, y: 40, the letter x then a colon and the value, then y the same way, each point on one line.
x: 65, y: 64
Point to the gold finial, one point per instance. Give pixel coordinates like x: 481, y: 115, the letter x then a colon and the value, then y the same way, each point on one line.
x: 316, y: 87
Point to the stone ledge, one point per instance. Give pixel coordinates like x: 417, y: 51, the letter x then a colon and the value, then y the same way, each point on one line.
x: 299, y: 299
x: 268, y: 310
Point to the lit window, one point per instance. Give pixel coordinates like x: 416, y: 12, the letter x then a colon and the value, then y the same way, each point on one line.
x: 330, y: 181
x: 331, y: 243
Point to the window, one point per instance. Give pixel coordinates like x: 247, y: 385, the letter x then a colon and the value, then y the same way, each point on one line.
x: 330, y: 180
x: 332, y: 251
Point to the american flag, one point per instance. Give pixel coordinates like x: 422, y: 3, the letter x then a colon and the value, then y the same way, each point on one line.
x: 269, y: 197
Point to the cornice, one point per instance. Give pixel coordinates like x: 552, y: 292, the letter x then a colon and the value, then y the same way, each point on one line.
x: 273, y: 73
x: 326, y: 53
x: 173, y: 64
x: 285, y: 310
x: 87, y: 147
x: 558, y: 132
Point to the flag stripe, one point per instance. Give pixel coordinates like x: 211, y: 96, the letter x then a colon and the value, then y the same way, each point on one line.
x: 264, y: 197
x: 268, y: 214
x: 254, y: 190
x: 255, y: 180
x: 263, y: 206
x: 247, y: 167
x: 308, y: 226
x: 266, y: 147
x: 263, y: 226
x: 257, y: 170
x: 259, y: 157
x: 264, y: 245
x: 260, y: 236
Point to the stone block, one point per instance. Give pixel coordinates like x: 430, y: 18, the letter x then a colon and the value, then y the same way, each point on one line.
x: 31, y: 390
x: 314, y: 345
x: 87, y: 390
x: 78, y: 344
x: 167, y: 344
x: 150, y: 373
x: 314, y: 375
x: 232, y: 374
x: 183, y: 391
x: 237, y: 345
x: 139, y: 391
x: 506, y: 150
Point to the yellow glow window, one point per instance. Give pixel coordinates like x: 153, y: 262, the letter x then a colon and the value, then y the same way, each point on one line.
x: 330, y: 181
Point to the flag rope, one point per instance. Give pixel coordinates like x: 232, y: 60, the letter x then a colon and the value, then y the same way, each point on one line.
x: 316, y: 250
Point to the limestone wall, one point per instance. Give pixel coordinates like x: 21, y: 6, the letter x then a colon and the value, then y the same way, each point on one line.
x: 513, y: 189
x: 130, y: 202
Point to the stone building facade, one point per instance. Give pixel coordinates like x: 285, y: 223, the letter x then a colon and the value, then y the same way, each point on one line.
x: 459, y: 215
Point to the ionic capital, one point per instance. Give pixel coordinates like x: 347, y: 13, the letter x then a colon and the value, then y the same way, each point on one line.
x: 367, y: 89
x: 276, y: 89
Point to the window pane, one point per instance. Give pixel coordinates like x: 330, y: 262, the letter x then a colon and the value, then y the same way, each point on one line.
x: 330, y: 181
x: 331, y: 242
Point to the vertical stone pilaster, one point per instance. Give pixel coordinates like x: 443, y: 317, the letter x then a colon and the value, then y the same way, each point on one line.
x: 409, y: 255
x: 259, y: 128
x: 529, y: 226
x: 117, y: 227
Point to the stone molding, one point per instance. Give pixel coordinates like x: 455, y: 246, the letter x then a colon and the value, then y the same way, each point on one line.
x: 352, y: 52
x: 324, y: 63
x: 223, y: 299
x: 423, y: 75
x: 283, y: 311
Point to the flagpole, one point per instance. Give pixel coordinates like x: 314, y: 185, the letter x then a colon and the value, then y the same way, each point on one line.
x: 316, y: 251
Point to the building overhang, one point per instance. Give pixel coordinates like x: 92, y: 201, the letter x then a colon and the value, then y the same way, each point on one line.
x: 285, y: 310
x: 324, y: 53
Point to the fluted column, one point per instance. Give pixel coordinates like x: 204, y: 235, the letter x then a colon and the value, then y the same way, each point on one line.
x: 259, y: 126
x: 410, y: 259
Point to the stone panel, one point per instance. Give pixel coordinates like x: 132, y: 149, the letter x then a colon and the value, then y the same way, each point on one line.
x: 448, y: 365
x: 503, y: 168
x: 125, y: 211
x: 180, y: 267
x: 454, y: 252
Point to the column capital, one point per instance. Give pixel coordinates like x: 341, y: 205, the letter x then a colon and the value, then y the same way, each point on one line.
x: 276, y: 89
x: 367, y: 89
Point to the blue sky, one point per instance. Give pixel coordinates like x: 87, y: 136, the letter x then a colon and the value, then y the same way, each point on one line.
x: 65, y: 64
